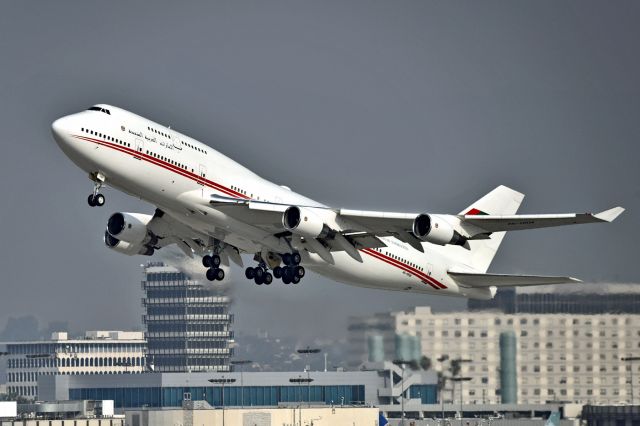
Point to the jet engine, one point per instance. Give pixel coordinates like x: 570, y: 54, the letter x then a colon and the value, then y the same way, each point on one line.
x: 127, y: 233
x: 125, y: 247
x: 436, y: 230
x: 303, y: 221
x: 130, y: 227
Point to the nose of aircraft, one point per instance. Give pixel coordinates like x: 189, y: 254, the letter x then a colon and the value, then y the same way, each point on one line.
x: 59, y: 129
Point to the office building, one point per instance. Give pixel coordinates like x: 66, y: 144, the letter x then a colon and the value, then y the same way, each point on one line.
x: 98, y: 352
x: 187, y: 325
x: 558, y: 357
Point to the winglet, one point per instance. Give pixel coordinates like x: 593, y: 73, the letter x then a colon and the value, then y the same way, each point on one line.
x: 609, y: 215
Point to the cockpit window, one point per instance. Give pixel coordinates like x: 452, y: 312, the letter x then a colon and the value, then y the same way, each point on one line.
x: 96, y: 108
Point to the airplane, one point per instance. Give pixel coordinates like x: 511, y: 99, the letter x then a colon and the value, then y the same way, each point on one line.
x: 212, y: 207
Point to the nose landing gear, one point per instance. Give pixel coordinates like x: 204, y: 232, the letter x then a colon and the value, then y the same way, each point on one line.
x: 95, y: 198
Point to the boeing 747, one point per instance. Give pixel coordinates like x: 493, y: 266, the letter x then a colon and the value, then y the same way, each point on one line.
x: 210, y: 206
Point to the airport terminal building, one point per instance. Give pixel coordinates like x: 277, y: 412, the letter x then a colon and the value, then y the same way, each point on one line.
x: 380, y: 384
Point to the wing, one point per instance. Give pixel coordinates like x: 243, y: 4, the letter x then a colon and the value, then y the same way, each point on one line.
x: 496, y: 223
x: 469, y: 279
x: 167, y: 231
x: 362, y: 228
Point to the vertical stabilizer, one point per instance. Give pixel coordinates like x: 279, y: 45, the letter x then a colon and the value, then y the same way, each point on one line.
x: 500, y: 201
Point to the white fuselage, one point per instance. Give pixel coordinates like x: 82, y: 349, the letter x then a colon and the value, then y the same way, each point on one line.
x: 179, y: 175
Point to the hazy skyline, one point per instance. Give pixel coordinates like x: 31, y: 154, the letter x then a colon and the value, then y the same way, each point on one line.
x: 404, y: 106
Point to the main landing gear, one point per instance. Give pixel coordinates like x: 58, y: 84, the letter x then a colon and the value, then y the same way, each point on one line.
x: 213, y: 263
x: 260, y: 275
x: 291, y: 273
x: 95, y: 198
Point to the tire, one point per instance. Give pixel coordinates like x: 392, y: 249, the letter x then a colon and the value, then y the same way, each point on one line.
x: 286, y: 280
x: 219, y: 274
x: 91, y: 201
x: 211, y: 274
x: 296, y: 258
x: 286, y: 259
x: 258, y: 272
x: 206, y: 261
x: 259, y: 280
x: 277, y: 272
x: 268, y: 278
x: 295, y: 280
x: 299, y: 271
x: 99, y: 200
x: 249, y: 273
x: 215, y: 260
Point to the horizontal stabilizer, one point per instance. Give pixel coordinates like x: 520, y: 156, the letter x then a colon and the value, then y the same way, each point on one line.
x: 471, y: 279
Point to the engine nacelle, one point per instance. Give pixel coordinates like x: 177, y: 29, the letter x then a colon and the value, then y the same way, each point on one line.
x: 129, y: 227
x: 125, y: 247
x: 303, y: 221
x: 436, y: 230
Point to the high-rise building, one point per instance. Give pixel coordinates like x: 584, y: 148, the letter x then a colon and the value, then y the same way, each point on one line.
x: 98, y: 352
x: 187, y: 325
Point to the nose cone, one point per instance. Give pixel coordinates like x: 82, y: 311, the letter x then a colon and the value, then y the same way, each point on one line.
x: 60, y: 130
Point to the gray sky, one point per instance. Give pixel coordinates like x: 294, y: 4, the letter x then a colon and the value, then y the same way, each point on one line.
x: 410, y: 106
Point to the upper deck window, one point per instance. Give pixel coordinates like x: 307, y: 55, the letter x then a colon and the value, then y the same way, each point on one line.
x: 96, y: 108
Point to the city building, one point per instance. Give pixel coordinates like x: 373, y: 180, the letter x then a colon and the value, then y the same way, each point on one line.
x: 550, y: 357
x: 98, y: 352
x: 187, y: 325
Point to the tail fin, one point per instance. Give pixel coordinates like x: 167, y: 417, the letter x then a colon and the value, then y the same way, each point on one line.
x: 500, y: 201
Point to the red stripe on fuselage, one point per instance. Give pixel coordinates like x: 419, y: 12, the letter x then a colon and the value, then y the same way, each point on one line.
x: 407, y: 268
x: 165, y: 165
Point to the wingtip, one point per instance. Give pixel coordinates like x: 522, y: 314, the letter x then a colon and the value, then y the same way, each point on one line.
x: 610, y: 215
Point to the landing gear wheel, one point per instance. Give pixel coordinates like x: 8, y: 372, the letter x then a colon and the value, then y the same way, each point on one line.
x: 277, y: 272
x: 259, y: 280
x: 219, y: 273
x: 296, y: 259
x: 99, y: 200
x: 258, y: 273
x: 268, y: 278
x: 249, y: 273
x: 295, y: 279
x: 215, y: 260
x: 91, y: 201
x: 211, y: 274
x: 287, y: 259
x: 299, y: 271
x: 206, y: 261
x: 286, y: 280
